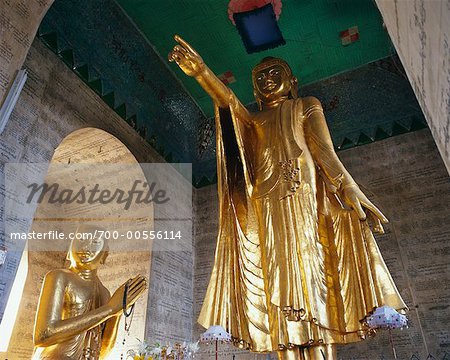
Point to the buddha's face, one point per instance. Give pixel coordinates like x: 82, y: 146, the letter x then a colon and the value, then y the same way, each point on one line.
x: 272, y: 83
x: 87, y: 252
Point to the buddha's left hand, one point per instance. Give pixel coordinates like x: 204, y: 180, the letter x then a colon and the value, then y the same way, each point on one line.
x: 355, y: 198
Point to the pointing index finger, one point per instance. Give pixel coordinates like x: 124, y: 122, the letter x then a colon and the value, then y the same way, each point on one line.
x: 185, y: 44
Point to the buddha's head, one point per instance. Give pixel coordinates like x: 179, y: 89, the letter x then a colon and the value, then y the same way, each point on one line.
x: 89, y: 248
x: 273, y: 80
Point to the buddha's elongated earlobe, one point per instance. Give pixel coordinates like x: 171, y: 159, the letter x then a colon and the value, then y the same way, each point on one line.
x: 258, y: 100
x: 294, y: 87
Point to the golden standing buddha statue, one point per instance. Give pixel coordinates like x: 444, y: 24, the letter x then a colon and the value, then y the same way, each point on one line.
x: 297, y: 269
x: 77, y: 319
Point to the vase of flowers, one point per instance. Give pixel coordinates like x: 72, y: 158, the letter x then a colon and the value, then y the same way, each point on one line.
x: 178, y: 351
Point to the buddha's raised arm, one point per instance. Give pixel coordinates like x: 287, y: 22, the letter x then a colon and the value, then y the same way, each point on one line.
x: 322, y: 150
x: 192, y: 65
x: 50, y: 327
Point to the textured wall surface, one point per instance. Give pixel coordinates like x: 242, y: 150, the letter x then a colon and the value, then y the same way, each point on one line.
x: 54, y: 103
x: 406, y: 177
x: 420, y: 30
x: 19, y: 20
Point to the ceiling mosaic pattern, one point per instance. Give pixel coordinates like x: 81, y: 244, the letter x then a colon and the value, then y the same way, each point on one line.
x: 122, y: 64
x: 311, y: 29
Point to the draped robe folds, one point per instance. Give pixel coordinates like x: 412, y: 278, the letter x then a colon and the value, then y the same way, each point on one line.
x: 87, y: 344
x: 292, y: 266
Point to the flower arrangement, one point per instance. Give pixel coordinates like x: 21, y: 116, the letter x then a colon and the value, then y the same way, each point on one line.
x: 145, y: 351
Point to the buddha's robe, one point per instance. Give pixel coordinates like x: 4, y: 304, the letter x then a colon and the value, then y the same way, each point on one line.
x: 292, y: 265
x: 79, y: 297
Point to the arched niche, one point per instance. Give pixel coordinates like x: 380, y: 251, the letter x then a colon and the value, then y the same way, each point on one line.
x: 112, y: 166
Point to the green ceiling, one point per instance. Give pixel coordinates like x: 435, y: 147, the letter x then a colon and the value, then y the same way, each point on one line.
x: 310, y: 27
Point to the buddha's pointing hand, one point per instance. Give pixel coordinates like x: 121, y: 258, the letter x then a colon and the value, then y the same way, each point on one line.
x: 186, y: 57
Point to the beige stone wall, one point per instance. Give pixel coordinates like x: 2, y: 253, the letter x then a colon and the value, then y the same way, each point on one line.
x: 19, y: 21
x: 420, y: 31
x: 406, y: 177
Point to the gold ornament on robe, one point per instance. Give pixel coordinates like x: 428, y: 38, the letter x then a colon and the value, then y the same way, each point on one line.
x: 77, y: 318
x: 296, y: 264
